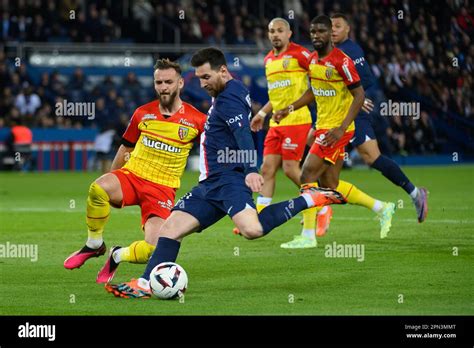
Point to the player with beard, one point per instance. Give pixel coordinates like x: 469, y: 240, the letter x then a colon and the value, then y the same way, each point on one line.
x: 146, y: 171
x: 286, y: 70
x: 225, y: 186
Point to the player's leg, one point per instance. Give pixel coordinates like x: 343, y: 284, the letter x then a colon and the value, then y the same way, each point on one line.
x: 271, y: 164
x: 284, y: 146
x: 330, y: 179
x: 137, y: 252
x: 175, y: 228
x: 292, y: 170
x: 190, y: 214
x: 252, y: 225
x: 292, y: 148
x: 155, y: 201
x: 313, y: 167
x: 370, y: 153
x: 103, y: 192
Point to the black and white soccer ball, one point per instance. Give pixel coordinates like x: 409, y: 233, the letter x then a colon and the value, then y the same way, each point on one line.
x: 168, y: 281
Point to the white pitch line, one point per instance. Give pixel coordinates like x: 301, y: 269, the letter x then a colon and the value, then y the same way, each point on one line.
x: 136, y: 212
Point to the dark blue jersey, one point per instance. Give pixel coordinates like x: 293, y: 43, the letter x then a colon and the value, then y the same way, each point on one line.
x: 356, y: 53
x: 227, y: 143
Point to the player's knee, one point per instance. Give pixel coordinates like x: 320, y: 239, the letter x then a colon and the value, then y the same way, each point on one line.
x: 171, y: 230
x: 251, y: 232
x: 167, y: 230
x: 269, y: 169
x: 368, y: 157
x: 97, y: 193
x: 290, y: 169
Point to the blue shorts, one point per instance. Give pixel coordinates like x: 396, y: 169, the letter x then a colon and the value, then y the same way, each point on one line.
x: 363, y: 130
x: 215, y: 197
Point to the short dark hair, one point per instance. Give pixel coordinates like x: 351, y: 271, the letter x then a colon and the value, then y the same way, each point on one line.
x: 322, y: 19
x: 341, y: 15
x: 165, y: 63
x: 214, y: 56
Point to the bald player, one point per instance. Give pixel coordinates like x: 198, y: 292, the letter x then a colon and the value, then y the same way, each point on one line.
x: 286, y: 70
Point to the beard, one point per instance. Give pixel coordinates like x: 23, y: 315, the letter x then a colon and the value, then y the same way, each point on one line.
x: 323, y: 47
x: 277, y: 45
x: 167, y: 100
x: 211, y: 92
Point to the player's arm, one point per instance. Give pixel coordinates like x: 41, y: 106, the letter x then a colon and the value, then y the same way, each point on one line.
x: 257, y: 121
x: 244, y: 140
x: 346, y: 68
x: 306, y: 99
x: 121, y: 157
x: 129, y: 139
x: 243, y: 137
x: 336, y: 133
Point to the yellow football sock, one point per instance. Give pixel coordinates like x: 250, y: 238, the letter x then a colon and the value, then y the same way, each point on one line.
x: 309, y: 218
x: 98, y: 210
x: 358, y: 197
x: 138, y: 252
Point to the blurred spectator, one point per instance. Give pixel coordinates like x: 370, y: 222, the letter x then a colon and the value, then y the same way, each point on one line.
x: 104, y: 150
x: 18, y: 145
x: 426, y: 53
x: 27, y: 101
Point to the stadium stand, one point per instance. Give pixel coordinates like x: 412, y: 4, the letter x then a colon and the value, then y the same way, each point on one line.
x: 419, y: 51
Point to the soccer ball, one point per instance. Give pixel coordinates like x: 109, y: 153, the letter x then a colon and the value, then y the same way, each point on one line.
x: 168, y: 280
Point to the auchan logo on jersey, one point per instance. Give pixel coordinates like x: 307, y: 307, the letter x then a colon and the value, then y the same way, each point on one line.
x: 279, y: 84
x: 319, y: 92
x: 158, y: 145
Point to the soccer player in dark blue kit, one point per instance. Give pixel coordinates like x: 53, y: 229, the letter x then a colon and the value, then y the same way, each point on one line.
x: 225, y: 184
x: 364, y: 138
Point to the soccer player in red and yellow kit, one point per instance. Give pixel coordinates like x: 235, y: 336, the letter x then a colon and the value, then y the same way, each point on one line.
x: 336, y: 87
x: 146, y: 171
x: 286, y: 70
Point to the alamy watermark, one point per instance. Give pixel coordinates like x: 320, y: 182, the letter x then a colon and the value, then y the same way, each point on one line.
x: 67, y: 108
x: 391, y: 108
x: 237, y: 156
x: 10, y: 250
x: 335, y: 250
x: 37, y: 331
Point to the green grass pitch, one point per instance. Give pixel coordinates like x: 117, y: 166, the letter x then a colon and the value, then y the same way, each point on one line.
x: 424, y: 269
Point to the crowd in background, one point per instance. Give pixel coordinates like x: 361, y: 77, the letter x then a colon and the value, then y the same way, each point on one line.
x: 420, y: 46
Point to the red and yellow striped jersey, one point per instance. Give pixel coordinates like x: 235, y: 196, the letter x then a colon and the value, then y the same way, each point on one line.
x: 162, y: 144
x: 287, y: 78
x: 331, y: 80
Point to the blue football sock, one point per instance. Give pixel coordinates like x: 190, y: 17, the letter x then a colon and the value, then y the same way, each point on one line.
x: 166, y: 251
x: 276, y: 214
x: 392, y: 172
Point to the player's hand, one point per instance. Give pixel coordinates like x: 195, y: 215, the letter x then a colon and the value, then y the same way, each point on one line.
x: 254, y: 181
x: 368, y: 106
x: 257, y: 123
x: 281, y: 114
x: 333, y: 136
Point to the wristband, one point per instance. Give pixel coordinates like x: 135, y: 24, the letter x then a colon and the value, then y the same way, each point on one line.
x: 262, y: 113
